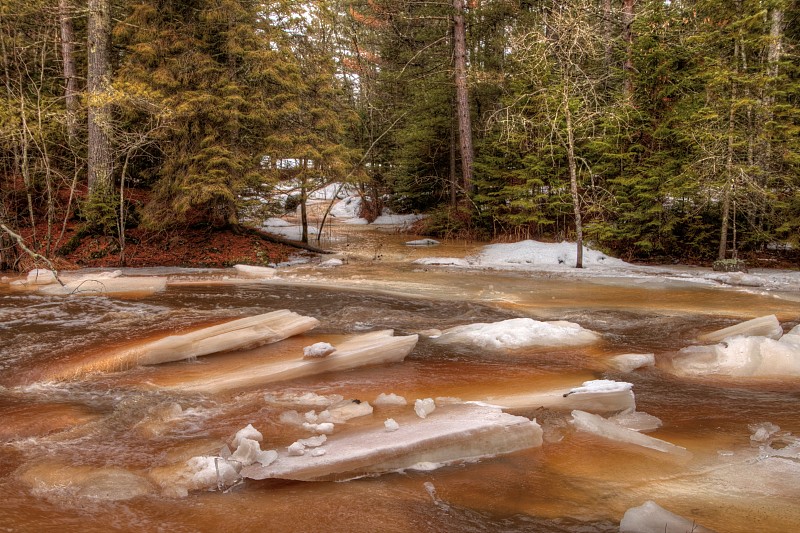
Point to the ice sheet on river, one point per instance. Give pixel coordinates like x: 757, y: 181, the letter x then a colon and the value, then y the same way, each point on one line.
x: 374, y: 348
x: 98, y: 283
x: 238, y: 334
x: 519, y: 333
x: 451, y: 433
x: 742, y: 356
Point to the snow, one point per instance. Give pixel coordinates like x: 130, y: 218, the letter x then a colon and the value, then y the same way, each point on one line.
x: 518, y: 333
x: 318, y: 349
x: 453, y: 433
x: 652, y: 518
x: 276, y: 223
x: 294, y: 233
x: 349, y: 207
x: 396, y: 220
x: 597, y: 425
x: 330, y: 263
x: 534, y: 253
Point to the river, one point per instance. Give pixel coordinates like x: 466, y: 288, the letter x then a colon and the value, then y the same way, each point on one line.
x: 70, y: 427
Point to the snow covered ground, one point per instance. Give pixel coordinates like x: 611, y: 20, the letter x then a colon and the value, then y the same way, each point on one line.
x: 534, y: 256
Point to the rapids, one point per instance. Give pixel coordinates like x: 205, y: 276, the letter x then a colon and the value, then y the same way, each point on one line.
x: 90, y: 447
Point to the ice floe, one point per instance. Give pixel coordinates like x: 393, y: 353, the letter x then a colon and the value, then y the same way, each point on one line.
x: 237, y: 334
x: 596, y: 396
x: 765, y: 326
x: 423, y: 242
x: 92, y: 284
x: 374, y: 348
x: 632, y: 361
x: 744, y: 356
x: 519, y: 333
x: 452, y: 433
x: 251, y: 271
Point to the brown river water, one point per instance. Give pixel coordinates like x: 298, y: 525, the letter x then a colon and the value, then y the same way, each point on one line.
x: 67, y: 424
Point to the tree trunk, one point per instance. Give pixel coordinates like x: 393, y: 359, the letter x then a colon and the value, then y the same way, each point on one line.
x: 70, y: 76
x: 726, y: 195
x: 303, y: 210
x: 462, y: 95
x: 99, y: 80
x: 573, y: 180
x: 608, y: 25
x: 627, y: 35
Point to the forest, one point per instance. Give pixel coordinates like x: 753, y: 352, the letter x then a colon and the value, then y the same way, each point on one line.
x: 653, y: 129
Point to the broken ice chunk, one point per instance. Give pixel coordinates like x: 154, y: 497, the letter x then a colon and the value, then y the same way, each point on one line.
x: 325, y: 427
x: 452, y: 433
x: 319, y: 349
x: 424, y: 407
x: 207, y: 472
x: 631, y: 361
x: 248, y: 432
x: 266, y: 457
x: 519, y: 333
x: 763, y: 432
x: 601, y: 427
x: 296, y: 448
x: 641, y: 422
x: 247, y: 452
x: 765, y: 326
x: 385, y: 400
x: 349, y: 410
x: 391, y: 425
x: 317, y: 452
x: 652, y: 518
x: 313, y: 442
x: 740, y: 356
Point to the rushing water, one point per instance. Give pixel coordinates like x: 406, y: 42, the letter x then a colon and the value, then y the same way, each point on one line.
x: 66, y: 422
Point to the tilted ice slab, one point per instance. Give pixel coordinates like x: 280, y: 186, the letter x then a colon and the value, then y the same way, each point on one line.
x: 238, y: 334
x: 519, y: 333
x: 628, y: 362
x: 597, y: 396
x: 451, y: 433
x: 374, y: 348
x: 652, y: 518
x: 601, y: 427
x: 743, y: 356
x: 765, y: 326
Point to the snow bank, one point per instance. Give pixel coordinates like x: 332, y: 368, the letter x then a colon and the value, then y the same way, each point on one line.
x: 238, y: 334
x: 452, y: 433
x: 349, y: 207
x: 294, y: 233
x: 374, y: 348
x: 273, y: 222
x: 652, y: 518
x: 519, y: 333
x: 740, y: 356
x: 597, y: 425
x: 534, y: 253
